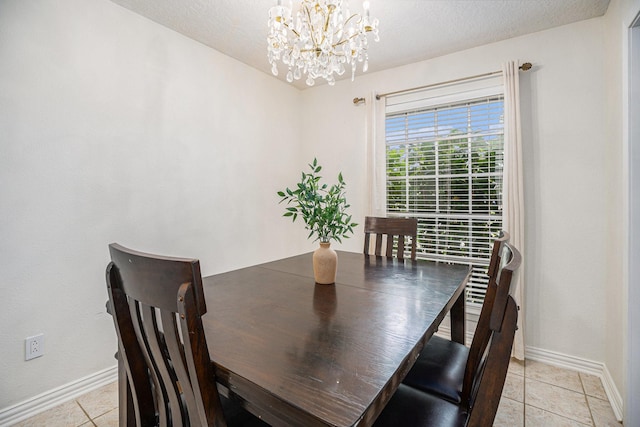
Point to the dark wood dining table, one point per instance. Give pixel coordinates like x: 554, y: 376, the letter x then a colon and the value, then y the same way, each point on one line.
x: 302, y: 354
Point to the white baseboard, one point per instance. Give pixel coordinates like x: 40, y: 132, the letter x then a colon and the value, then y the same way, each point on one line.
x: 581, y: 365
x: 57, y: 396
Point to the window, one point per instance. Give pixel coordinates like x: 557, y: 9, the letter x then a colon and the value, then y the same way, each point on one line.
x: 444, y: 167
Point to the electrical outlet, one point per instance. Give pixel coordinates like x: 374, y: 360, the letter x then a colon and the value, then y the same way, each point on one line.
x: 34, y: 346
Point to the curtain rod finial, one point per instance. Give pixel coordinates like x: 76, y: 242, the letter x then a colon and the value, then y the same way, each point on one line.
x: 526, y: 66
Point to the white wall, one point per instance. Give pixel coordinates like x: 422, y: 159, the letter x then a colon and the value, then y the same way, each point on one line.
x: 115, y: 129
x: 572, y: 190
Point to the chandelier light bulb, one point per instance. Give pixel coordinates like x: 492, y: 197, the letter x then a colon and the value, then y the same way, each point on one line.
x: 323, y: 38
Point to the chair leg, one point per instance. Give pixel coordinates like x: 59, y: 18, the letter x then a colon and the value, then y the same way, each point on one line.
x: 126, y: 411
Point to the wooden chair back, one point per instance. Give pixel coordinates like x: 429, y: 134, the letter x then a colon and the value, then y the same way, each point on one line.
x: 157, y: 305
x: 499, y: 258
x: 391, y: 229
x: 496, y: 254
x: 487, y: 379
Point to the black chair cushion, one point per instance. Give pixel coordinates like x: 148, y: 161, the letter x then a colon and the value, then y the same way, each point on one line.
x: 411, y: 407
x: 440, y: 369
x: 236, y: 416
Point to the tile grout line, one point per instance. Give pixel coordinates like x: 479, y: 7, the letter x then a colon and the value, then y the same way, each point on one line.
x: 524, y: 393
x: 583, y: 393
x: 584, y: 390
x: 85, y: 413
x: 567, y: 417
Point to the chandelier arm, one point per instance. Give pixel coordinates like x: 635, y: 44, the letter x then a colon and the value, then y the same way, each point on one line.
x: 293, y: 30
x: 315, y: 50
x: 313, y: 39
x: 326, y: 26
x: 352, y: 16
x: 341, y: 42
x: 326, y: 20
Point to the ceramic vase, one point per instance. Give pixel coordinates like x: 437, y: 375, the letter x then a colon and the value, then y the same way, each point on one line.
x: 325, y: 264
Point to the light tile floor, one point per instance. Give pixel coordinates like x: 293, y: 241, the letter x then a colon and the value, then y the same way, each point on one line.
x: 535, y: 395
x: 540, y: 395
x: 96, y: 408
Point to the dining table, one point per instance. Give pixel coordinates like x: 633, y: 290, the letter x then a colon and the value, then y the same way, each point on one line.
x: 297, y: 353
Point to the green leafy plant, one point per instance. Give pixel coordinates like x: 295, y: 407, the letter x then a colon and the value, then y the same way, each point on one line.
x: 322, y: 208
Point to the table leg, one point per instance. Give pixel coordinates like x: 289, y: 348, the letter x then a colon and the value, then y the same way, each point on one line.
x: 458, y: 321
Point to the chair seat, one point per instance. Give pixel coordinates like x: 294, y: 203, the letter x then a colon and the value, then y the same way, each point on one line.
x: 411, y: 407
x: 440, y: 369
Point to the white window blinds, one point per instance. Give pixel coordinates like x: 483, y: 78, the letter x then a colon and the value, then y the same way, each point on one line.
x: 444, y: 166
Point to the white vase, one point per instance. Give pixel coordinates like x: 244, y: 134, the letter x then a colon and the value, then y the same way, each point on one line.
x: 325, y: 264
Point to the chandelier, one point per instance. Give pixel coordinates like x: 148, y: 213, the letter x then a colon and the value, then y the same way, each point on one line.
x: 323, y: 41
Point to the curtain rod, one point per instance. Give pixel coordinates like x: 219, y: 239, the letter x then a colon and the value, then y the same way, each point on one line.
x: 524, y: 67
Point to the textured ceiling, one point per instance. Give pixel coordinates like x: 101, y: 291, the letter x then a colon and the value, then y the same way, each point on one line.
x: 410, y: 30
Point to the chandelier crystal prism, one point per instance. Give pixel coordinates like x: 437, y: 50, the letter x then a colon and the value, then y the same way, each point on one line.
x: 322, y: 41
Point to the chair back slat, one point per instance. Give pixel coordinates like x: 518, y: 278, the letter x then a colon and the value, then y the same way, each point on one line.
x: 162, y: 373
x: 494, y: 370
x: 400, y: 245
x: 197, y: 355
x: 487, y: 379
x: 505, y: 284
x: 130, y: 351
x: 157, y: 313
x: 496, y: 253
x: 378, y: 244
x: 395, y: 231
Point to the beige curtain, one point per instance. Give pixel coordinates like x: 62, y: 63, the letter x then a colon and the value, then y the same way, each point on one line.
x: 376, y: 155
x: 513, y: 195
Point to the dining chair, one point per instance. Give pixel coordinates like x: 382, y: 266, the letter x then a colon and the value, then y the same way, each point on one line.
x: 444, y: 367
x: 391, y: 229
x: 412, y: 407
x: 157, y: 303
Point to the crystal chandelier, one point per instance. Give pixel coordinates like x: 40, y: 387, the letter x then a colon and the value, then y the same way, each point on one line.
x: 323, y: 40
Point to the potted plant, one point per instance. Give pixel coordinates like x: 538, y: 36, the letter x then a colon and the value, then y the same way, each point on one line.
x: 323, y: 210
